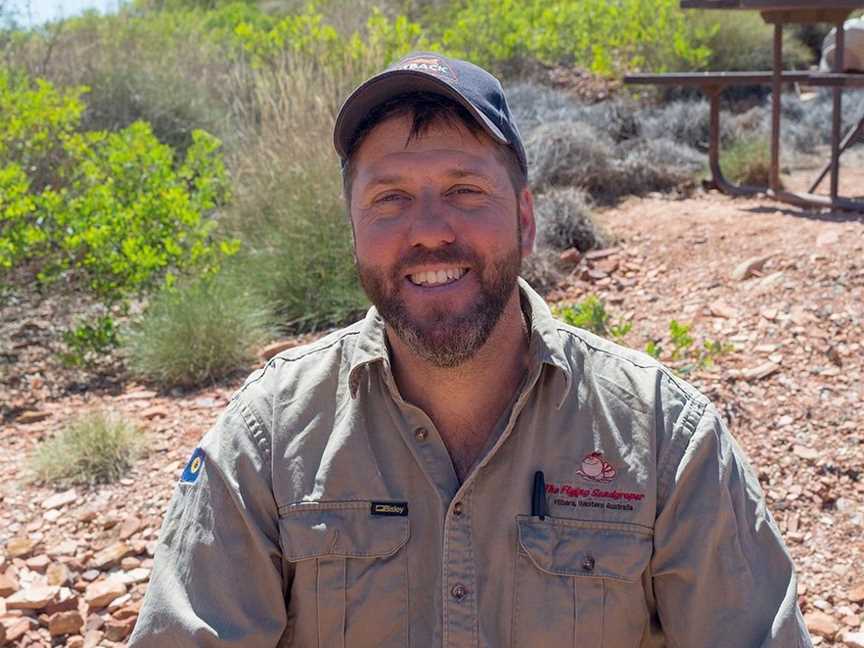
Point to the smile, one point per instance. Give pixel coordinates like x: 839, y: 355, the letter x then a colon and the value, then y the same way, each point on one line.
x: 437, y: 277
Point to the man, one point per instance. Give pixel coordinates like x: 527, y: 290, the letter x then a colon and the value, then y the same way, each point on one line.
x: 459, y: 468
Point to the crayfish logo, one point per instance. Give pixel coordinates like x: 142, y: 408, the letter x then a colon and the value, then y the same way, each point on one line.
x: 595, y: 468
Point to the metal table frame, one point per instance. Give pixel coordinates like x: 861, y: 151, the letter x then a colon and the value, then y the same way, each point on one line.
x: 778, y: 13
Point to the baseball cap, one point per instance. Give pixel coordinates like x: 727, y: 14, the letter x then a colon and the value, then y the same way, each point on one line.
x: 470, y: 85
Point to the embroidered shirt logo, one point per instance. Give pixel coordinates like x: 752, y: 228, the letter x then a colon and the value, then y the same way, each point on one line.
x: 429, y: 64
x: 595, y: 468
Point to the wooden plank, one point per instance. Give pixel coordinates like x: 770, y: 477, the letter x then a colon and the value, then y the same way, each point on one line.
x: 806, y: 16
x: 705, y: 79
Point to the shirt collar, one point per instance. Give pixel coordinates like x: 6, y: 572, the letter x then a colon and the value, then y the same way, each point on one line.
x: 545, y: 347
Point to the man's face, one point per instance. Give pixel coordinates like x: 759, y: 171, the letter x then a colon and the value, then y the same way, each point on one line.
x: 439, y: 236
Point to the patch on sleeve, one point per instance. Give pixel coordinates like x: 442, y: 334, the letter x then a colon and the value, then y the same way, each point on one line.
x: 194, y: 467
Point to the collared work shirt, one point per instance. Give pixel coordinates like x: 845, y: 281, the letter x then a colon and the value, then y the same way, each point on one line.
x: 325, y: 512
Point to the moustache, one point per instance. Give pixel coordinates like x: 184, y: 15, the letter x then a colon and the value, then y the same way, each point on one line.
x: 451, y: 254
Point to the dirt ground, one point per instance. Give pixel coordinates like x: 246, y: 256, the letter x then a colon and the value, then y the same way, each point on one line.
x: 790, y: 388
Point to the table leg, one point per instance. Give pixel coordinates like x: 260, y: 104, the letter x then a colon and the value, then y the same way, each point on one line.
x: 776, y: 96
x: 837, y: 117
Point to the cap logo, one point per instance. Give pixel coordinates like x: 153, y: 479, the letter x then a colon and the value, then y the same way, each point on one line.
x: 430, y: 65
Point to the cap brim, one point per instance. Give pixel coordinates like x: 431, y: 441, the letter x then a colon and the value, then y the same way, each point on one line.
x: 390, y: 84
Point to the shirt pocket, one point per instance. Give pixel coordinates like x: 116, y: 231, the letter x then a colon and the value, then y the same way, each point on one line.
x: 350, y: 575
x: 579, y: 583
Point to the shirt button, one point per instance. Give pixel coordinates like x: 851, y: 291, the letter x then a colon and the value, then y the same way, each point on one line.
x: 458, y: 592
x: 421, y: 433
x: 588, y: 563
x: 457, y: 508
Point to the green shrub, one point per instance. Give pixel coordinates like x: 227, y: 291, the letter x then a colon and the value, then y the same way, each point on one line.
x: 741, y: 40
x: 98, y: 447
x: 591, y: 314
x: 197, y: 333
x: 748, y: 161
x: 605, y: 37
x: 117, y: 210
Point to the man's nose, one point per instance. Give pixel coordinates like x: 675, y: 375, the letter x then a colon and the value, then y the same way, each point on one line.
x: 431, y: 226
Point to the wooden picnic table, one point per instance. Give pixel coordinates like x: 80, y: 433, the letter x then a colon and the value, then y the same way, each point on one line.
x: 777, y: 13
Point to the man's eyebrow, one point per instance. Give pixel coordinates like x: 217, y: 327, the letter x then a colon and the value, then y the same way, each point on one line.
x: 455, y: 174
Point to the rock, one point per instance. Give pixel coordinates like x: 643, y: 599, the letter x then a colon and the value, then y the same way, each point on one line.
x: 821, y: 624
x: 93, y: 638
x: 856, y: 594
x: 8, y: 585
x: 805, y: 453
x: 609, y: 266
x: 32, y: 416
x: 853, y: 639
x: 101, y: 593
x: 110, y: 555
x: 57, y: 574
x: 756, y: 373
x: 722, y: 309
x: 129, y: 527
x: 277, y: 347
x: 118, y: 630
x: 20, y: 547
x: 63, y: 623
x: 60, y: 499
x: 596, y: 255
x: 830, y: 237
x: 38, y: 563
x: 128, y: 611
x: 750, y: 268
x: 129, y: 562
x: 32, y: 598
x: 154, y: 412
x: 75, y: 641
x: 19, y: 629
x: 571, y: 257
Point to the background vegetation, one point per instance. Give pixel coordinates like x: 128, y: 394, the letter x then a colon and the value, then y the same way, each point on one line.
x: 173, y: 161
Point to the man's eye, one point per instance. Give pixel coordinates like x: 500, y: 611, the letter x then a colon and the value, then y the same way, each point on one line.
x: 390, y: 198
x: 464, y: 190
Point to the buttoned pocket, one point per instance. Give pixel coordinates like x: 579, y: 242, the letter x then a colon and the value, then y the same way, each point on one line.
x: 350, y: 580
x: 579, y: 583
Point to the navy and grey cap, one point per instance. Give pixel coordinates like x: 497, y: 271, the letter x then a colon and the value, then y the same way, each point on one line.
x: 472, y: 86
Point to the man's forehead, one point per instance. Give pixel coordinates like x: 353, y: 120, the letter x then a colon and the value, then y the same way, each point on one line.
x: 397, y: 133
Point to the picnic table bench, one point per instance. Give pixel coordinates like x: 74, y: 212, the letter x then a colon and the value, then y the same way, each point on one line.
x: 778, y: 13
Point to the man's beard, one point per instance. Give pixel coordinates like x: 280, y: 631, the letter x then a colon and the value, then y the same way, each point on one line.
x: 442, y: 338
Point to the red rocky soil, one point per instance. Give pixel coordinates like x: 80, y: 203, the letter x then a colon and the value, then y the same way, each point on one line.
x: 784, y: 288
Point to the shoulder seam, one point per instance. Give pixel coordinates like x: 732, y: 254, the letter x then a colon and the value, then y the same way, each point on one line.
x: 693, y: 415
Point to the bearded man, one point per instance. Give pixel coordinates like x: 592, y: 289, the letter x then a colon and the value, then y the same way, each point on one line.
x: 459, y: 468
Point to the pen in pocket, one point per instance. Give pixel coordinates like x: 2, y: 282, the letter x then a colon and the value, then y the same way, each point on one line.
x: 538, y: 496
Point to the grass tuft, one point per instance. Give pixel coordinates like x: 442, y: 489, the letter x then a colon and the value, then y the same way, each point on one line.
x: 198, y: 333
x: 565, y: 220
x: 98, y: 447
x: 542, y: 270
x: 748, y: 162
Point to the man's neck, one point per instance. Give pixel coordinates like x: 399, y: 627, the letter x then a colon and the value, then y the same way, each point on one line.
x: 466, y: 401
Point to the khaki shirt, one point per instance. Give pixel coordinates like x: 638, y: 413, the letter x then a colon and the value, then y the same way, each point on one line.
x: 324, y: 511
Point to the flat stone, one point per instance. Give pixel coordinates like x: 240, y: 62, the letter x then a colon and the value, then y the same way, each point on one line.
x: 571, y: 256
x: 596, y: 255
x: 60, y: 499
x: 75, y: 641
x: 20, y: 547
x: 117, y: 629
x: 805, y: 453
x: 757, y: 373
x: 63, y: 623
x: 8, y: 585
x: 129, y: 527
x: 32, y: 416
x: 821, y: 624
x: 749, y: 268
x: 154, y: 412
x: 856, y: 594
x: 93, y: 638
x: 32, y: 598
x: 20, y: 628
x: 38, y: 563
x: 101, y: 593
x: 57, y: 574
x: 111, y: 555
x: 722, y: 309
x: 853, y: 639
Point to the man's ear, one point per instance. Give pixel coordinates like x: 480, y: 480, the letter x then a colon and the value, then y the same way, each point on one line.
x: 528, y: 226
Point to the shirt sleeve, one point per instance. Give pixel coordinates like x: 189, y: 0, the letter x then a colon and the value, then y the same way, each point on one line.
x: 722, y: 575
x: 218, y: 574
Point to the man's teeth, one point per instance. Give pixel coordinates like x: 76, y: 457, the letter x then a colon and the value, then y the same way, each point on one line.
x: 436, y: 278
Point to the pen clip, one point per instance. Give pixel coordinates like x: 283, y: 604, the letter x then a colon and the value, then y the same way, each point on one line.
x: 538, y: 496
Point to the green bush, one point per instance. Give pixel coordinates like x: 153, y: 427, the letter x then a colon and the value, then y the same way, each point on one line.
x: 591, y: 314
x: 118, y: 210
x: 564, y: 220
x: 197, y: 333
x: 98, y: 447
x: 605, y: 37
x: 748, y: 161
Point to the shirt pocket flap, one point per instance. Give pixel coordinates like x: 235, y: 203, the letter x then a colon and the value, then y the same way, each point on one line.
x: 347, y: 530
x: 581, y: 548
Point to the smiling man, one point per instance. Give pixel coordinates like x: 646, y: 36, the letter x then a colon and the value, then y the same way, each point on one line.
x: 459, y: 468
